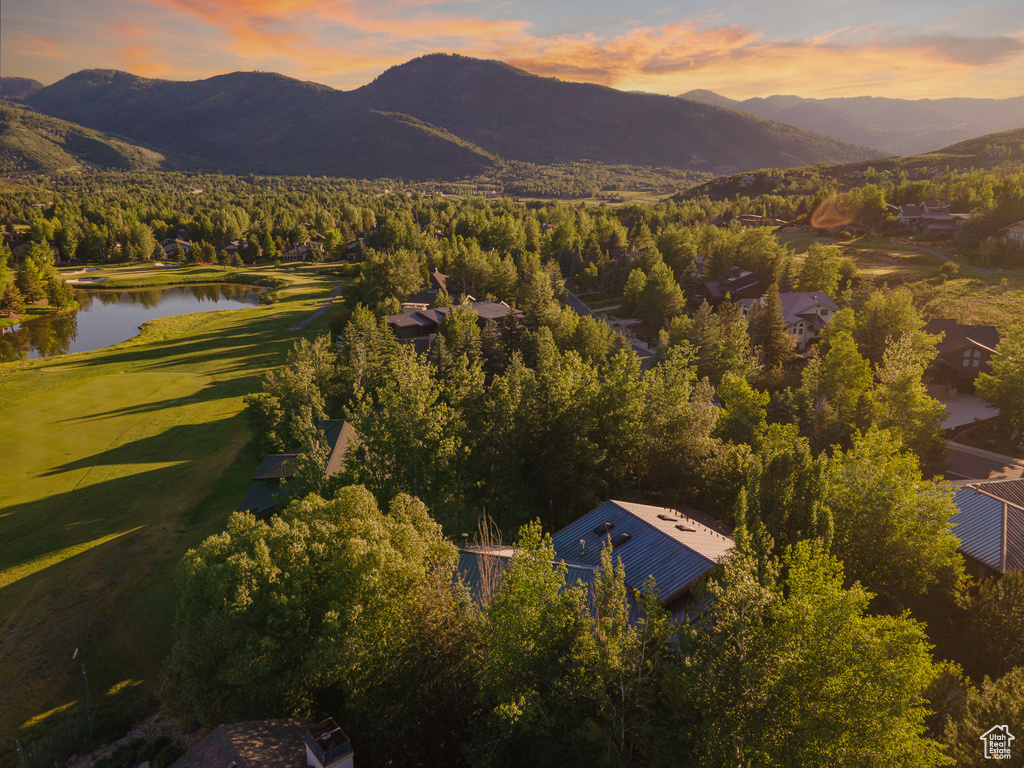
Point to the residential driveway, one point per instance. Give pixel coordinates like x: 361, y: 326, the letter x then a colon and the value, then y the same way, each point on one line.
x: 970, y: 463
x: 966, y: 409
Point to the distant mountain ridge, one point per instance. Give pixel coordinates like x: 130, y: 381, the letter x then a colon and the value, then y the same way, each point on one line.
x: 898, y: 126
x: 438, y: 116
x: 18, y: 88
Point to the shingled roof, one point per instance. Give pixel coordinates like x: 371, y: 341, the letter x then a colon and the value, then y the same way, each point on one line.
x: 957, y: 336
x: 259, y: 744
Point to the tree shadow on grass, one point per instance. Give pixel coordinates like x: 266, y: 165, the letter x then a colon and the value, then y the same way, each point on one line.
x: 179, y: 443
x: 166, y: 495
x: 123, y: 586
x: 216, y: 390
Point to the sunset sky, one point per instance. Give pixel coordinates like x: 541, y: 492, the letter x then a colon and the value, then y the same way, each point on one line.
x: 739, y: 48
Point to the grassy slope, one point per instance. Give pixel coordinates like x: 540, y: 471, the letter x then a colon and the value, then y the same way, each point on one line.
x: 118, y: 461
x: 970, y: 298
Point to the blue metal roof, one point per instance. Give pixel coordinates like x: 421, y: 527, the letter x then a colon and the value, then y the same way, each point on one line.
x: 656, y: 547
x: 1014, y: 539
x: 979, y: 526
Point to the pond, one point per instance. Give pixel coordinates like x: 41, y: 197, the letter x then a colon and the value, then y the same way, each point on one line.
x: 107, y: 317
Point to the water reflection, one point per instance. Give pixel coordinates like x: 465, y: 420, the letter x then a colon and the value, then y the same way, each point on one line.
x: 106, y: 317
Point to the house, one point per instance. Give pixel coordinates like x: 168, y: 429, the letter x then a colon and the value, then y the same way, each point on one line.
x: 20, y: 249
x: 675, y: 548
x: 265, y: 494
x: 989, y: 523
x: 428, y: 298
x: 272, y: 744
x: 943, y: 223
x: 805, y: 314
x: 934, y: 206
x: 931, y: 217
x: 736, y: 282
x: 414, y: 324
x: 963, y: 353
x: 910, y: 215
x: 308, y: 250
x: 1014, y: 234
x: 481, y: 569
x: 172, y: 245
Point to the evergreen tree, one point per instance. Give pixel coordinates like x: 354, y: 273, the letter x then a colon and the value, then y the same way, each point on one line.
x: 768, y: 331
x: 29, y: 281
x: 11, y: 300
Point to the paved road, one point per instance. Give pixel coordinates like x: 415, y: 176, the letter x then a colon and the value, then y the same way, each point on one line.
x: 323, y: 308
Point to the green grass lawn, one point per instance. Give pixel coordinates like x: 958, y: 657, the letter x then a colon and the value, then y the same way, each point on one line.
x: 985, y: 300
x: 115, y: 462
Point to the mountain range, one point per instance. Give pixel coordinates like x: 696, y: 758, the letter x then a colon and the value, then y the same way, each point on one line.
x: 896, y: 126
x: 439, y: 116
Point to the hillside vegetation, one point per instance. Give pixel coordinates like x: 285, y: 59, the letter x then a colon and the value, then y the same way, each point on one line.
x: 30, y: 141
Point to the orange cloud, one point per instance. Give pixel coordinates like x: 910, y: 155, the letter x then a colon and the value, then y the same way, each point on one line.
x: 27, y: 44
x: 741, y: 63
x: 347, y: 42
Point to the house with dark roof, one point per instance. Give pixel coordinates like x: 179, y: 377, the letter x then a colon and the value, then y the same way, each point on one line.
x: 175, y: 246
x: 266, y: 495
x: 481, y: 569
x: 416, y: 324
x: 428, y: 298
x: 989, y: 523
x: 805, y: 314
x: 735, y: 282
x: 963, y: 353
x: 910, y: 215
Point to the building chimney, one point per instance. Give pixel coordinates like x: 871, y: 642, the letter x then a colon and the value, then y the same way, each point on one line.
x: 327, y: 746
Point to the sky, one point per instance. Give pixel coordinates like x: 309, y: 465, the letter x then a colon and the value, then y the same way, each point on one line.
x: 738, y: 48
